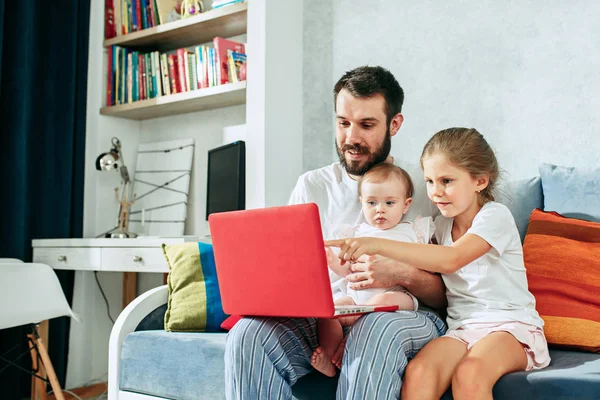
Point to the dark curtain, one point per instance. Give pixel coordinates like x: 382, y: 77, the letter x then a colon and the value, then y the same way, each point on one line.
x: 43, y: 85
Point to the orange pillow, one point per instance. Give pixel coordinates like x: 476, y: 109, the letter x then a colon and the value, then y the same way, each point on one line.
x: 562, y: 257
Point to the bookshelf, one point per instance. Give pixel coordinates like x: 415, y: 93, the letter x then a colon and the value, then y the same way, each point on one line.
x: 224, y: 22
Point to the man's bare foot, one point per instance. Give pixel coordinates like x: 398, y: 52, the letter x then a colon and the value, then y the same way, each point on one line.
x: 322, y: 363
x: 339, y: 353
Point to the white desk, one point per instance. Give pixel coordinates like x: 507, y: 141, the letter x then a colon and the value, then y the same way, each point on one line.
x: 124, y: 255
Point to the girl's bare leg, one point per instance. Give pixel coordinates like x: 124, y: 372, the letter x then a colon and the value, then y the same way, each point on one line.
x: 428, y: 375
x: 488, y: 360
x: 330, y: 335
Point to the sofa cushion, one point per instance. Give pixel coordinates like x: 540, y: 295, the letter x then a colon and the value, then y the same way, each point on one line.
x: 190, y: 366
x: 521, y: 197
x: 562, y: 257
x: 194, y: 302
x: 572, y: 192
x: 174, y: 365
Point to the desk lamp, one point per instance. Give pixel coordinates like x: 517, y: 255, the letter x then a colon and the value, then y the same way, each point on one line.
x: 113, y: 160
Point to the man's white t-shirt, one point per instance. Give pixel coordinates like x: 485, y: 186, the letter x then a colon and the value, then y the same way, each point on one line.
x: 492, y: 288
x: 336, y: 195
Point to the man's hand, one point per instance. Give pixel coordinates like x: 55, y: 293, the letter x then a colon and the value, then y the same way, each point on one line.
x: 352, y: 249
x: 377, y: 272
x: 381, y: 272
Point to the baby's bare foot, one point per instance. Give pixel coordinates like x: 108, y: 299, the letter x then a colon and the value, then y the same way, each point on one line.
x: 322, y: 363
x: 339, y: 353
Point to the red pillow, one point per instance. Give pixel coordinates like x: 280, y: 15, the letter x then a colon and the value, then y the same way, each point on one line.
x: 562, y: 257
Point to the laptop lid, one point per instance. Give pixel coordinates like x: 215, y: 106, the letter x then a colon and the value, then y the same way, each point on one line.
x: 272, y: 262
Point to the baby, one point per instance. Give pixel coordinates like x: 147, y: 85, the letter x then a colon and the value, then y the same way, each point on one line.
x: 385, y: 193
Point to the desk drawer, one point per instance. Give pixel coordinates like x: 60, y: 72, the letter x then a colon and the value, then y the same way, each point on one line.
x: 79, y: 258
x: 134, y: 259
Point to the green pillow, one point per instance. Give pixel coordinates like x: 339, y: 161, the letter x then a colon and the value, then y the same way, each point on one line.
x: 194, y: 303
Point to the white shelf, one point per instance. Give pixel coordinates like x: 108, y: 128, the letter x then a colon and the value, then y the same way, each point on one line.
x: 196, y: 100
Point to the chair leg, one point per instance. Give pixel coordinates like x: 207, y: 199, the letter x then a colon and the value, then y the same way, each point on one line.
x: 41, y: 348
x: 38, y: 386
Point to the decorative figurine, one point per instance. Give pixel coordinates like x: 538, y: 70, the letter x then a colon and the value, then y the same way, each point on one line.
x: 190, y: 8
x: 124, y: 214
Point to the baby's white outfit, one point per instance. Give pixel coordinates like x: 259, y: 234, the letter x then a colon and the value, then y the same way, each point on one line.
x: 403, y: 232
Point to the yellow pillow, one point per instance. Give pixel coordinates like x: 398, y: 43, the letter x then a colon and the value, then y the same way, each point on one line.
x: 194, y: 303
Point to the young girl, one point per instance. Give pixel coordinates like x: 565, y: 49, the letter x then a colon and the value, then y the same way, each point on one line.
x: 385, y: 193
x: 493, y: 327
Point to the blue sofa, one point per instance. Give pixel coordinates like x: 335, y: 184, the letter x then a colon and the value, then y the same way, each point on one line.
x: 145, y: 362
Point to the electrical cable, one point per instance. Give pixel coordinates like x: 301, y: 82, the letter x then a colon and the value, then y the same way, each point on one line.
x: 104, y: 296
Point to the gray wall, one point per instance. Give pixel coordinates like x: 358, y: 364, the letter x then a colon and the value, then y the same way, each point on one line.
x: 525, y: 73
x: 318, y: 138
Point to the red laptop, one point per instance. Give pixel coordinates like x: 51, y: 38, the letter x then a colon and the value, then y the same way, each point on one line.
x: 271, y: 262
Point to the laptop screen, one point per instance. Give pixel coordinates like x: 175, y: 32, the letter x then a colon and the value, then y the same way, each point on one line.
x: 226, y: 186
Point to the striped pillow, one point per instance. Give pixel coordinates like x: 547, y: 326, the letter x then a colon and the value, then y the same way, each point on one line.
x: 194, y: 303
x: 562, y: 256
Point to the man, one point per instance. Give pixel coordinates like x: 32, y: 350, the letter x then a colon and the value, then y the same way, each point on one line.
x: 264, y: 357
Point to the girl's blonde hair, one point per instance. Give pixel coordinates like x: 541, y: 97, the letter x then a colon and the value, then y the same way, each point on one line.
x: 382, y: 172
x: 467, y: 149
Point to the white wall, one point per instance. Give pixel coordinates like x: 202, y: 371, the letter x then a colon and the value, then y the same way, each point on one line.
x: 274, y: 108
x: 525, y: 73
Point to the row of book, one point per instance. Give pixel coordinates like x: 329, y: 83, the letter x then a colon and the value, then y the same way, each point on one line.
x: 126, y: 16
x: 134, y: 75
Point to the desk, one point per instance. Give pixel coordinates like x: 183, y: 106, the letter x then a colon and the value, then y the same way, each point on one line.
x: 120, y: 255
x: 129, y: 256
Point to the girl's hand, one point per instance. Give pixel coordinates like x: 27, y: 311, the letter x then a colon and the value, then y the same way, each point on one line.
x: 352, y: 248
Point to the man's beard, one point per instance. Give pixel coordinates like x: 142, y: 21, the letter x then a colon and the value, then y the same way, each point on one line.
x: 359, y: 168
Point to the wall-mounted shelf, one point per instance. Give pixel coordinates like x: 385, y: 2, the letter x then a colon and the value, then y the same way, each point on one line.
x: 196, y: 100
x: 225, y: 22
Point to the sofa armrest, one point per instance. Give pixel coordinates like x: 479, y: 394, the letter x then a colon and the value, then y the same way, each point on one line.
x: 125, y: 324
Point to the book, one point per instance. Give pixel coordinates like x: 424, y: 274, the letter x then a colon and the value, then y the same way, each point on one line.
x: 181, y: 70
x: 237, y: 66
x: 109, y: 20
x: 221, y: 46
x: 109, y: 77
x: 173, y: 73
x: 164, y: 67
